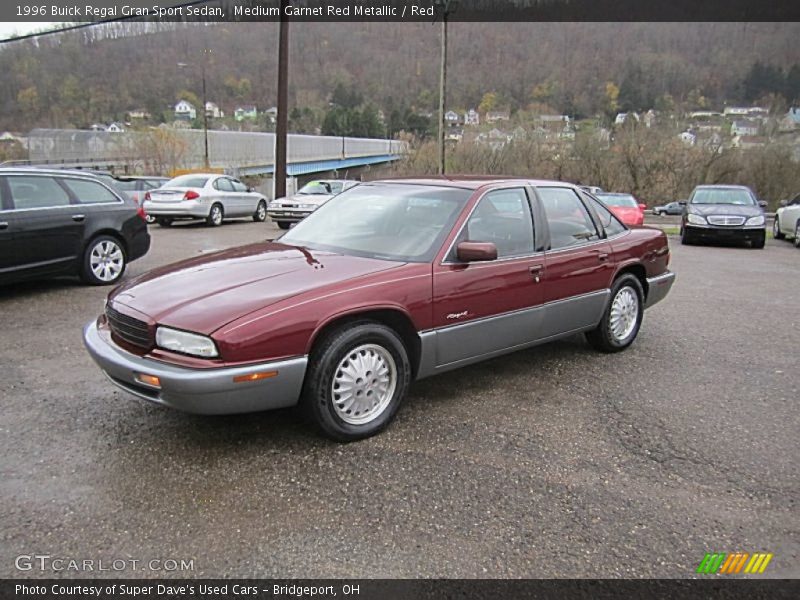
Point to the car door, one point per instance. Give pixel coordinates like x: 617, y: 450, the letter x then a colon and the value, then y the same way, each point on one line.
x: 485, y: 308
x: 227, y: 197
x: 578, y: 264
x: 248, y: 202
x: 44, y: 229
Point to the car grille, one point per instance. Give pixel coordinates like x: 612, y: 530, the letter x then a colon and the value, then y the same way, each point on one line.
x: 128, y: 329
x: 729, y: 220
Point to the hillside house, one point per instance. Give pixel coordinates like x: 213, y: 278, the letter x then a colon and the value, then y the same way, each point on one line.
x: 744, y: 127
x: 246, y: 111
x: 213, y: 111
x: 185, y: 111
x: 471, y: 117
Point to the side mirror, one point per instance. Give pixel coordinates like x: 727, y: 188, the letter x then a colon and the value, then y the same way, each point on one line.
x: 784, y: 203
x: 762, y: 203
x: 250, y: 189
x: 476, y: 251
x: 642, y: 207
x: 682, y: 202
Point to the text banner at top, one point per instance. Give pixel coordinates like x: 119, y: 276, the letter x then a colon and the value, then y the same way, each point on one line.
x: 71, y: 11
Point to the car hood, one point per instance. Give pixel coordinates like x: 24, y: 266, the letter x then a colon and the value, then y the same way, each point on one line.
x: 203, y: 294
x: 725, y: 209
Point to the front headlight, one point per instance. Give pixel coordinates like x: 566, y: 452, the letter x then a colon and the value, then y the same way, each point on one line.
x: 696, y: 219
x: 757, y: 220
x: 186, y: 343
x: 307, y: 206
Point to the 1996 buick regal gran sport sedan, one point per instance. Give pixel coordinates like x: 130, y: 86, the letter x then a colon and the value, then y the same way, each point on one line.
x: 388, y: 282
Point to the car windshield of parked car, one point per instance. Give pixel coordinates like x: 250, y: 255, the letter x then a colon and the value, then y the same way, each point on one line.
x: 399, y: 222
x: 722, y: 196
x: 618, y: 200
x: 188, y: 181
x: 315, y: 188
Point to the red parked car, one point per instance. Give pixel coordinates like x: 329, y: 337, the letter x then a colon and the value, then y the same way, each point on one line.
x: 626, y: 207
x: 388, y: 282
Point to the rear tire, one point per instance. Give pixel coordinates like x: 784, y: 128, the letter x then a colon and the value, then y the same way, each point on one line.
x: 356, y: 379
x: 283, y: 224
x: 622, y: 318
x: 261, y: 212
x: 104, y: 261
x: 164, y: 221
x: 797, y: 235
x: 776, y: 229
x: 215, y: 215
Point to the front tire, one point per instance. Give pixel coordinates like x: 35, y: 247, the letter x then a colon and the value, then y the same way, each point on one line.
x: 776, y: 229
x: 261, y: 212
x: 797, y: 235
x: 284, y: 224
x: 104, y: 261
x: 357, y: 377
x: 622, y: 318
x: 215, y: 215
x: 760, y: 242
x: 686, y: 237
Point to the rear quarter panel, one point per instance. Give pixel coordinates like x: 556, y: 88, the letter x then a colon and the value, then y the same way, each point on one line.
x: 645, y: 246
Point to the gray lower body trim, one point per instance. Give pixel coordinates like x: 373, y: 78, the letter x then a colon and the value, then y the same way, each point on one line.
x: 201, y: 391
x: 459, y: 345
x: 658, y: 287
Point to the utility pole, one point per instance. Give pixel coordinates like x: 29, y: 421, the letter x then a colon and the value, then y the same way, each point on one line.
x: 282, y: 125
x: 207, y: 164
x: 445, y: 6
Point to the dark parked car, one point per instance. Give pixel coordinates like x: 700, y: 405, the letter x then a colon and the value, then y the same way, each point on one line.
x: 66, y: 223
x: 385, y: 283
x: 724, y: 213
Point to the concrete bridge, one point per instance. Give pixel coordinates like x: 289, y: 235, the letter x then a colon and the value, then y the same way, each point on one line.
x: 163, y: 150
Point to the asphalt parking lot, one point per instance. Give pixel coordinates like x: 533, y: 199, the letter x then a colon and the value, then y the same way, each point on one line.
x: 552, y: 462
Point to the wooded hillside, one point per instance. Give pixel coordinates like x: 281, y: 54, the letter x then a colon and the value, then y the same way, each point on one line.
x: 97, y: 74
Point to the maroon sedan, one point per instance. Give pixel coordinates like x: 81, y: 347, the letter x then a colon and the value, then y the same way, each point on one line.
x: 388, y: 282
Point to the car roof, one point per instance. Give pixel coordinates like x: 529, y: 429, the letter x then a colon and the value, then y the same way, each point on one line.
x: 51, y: 171
x: 472, y: 182
x: 721, y: 187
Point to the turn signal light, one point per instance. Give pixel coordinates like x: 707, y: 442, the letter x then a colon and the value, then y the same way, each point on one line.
x: 147, y: 196
x: 149, y: 379
x: 255, y: 376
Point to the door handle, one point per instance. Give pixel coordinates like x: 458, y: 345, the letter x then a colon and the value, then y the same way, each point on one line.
x: 3, y: 225
x: 78, y: 218
x: 535, y: 271
x: 602, y: 257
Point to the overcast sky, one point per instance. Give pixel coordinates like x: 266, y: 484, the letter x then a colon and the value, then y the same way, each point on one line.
x: 9, y: 29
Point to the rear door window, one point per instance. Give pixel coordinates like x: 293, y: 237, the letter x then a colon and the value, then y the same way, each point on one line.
x: 223, y: 185
x: 90, y: 192
x: 36, y: 191
x: 569, y: 222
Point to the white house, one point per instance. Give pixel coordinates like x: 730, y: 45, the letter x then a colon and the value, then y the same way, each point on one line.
x: 185, y: 111
x: 213, y: 111
x: 115, y: 128
x: 493, y: 116
x: 688, y: 138
x: 247, y: 111
x: 451, y: 118
x: 272, y: 114
x: 138, y: 113
x: 471, y: 117
x: 623, y: 117
x: 744, y: 127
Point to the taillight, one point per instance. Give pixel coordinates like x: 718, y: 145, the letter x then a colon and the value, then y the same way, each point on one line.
x: 191, y: 195
x: 146, y: 196
x: 141, y: 213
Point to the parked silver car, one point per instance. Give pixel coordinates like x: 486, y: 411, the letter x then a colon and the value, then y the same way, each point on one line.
x: 295, y: 208
x: 206, y: 196
x: 787, y: 221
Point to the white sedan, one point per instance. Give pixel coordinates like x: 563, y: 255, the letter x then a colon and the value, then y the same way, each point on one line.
x: 211, y: 197
x: 787, y: 221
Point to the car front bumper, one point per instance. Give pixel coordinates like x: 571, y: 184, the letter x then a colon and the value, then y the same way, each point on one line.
x: 188, y: 209
x: 288, y: 215
x: 658, y: 287
x: 201, y: 391
x: 733, y: 234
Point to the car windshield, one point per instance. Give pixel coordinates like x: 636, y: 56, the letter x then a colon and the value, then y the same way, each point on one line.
x: 126, y: 185
x: 722, y: 196
x: 190, y: 181
x: 316, y: 188
x: 398, y: 222
x: 618, y: 200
